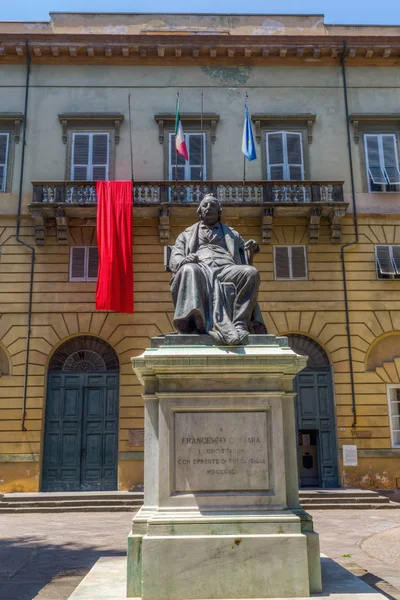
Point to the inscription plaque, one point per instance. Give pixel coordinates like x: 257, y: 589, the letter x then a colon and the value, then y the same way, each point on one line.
x: 221, y: 451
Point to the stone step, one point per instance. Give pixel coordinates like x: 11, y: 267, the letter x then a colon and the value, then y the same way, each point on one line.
x: 375, y: 500
x: 63, y: 509
x: 349, y: 506
x: 60, y: 496
x: 338, y: 493
x: 65, y: 503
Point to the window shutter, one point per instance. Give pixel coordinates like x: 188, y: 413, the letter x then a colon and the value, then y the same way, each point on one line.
x: 396, y: 258
x: 175, y: 159
x: 294, y: 149
x: 299, y: 266
x: 275, y: 155
x: 99, y: 156
x: 77, y: 263
x: 80, y: 156
x: 196, y: 143
x: 372, y: 154
x: 391, y: 163
x: 281, y: 256
x: 4, y: 138
x: 93, y: 263
x: 384, y: 261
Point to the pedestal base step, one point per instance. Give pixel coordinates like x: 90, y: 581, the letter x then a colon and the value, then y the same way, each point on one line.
x: 107, y: 581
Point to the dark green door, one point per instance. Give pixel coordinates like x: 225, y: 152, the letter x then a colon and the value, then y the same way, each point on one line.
x: 81, y: 432
x: 316, y: 424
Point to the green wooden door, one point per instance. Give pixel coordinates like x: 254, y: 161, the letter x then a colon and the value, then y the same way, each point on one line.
x: 315, y: 415
x: 81, y: 432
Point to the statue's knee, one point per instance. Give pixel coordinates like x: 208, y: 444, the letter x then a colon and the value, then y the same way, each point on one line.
x: 253, y: 273
x: 189, y: 268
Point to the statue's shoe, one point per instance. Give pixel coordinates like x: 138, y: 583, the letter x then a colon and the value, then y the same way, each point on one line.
x: 242, y: 333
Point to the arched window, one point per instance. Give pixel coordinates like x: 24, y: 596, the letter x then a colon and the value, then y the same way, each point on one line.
x: 84, y: 354
x: 4, y: 363
x: 301, y: 344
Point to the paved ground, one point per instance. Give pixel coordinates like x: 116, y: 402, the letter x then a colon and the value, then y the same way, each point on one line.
x: 43, y: 557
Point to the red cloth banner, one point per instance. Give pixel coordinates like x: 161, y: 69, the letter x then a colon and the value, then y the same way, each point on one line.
x: 114, y: 240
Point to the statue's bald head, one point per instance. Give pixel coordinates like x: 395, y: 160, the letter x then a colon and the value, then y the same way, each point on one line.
x: 210, y: 210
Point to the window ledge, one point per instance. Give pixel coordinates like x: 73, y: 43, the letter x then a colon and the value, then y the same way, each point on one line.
x: 13, y: 121
x: 262, y: 119
x: 210, y: 121
x: 109, y: 119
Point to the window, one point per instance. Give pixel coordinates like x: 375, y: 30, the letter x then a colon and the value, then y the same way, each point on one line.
x: 83, y: 263
x: 195, y: 168
x: 4, y: 144
x: 90, y: 156
x: 290, y: 262
x: 284, y: 155
x: 382, y: 162
x: 394, y: 415
x: 387, y: 262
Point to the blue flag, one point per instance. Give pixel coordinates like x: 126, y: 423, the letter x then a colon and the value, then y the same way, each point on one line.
x: 248, y: 146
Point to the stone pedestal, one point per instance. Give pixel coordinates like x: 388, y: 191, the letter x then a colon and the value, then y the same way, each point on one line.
x: 221, y: 517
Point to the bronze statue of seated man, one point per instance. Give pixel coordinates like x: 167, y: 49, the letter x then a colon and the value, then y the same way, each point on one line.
x: 214, y: 285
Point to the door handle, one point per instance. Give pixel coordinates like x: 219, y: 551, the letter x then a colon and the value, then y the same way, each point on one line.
x: 83, y: 452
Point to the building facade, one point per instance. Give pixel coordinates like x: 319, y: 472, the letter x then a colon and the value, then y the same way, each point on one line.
x: 322, y: 199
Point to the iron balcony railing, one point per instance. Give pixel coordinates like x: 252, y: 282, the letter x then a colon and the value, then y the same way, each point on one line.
x: 191, y: 192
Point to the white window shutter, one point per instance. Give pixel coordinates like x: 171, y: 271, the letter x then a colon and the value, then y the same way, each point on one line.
x: 275, y: 155
x: 294, y: 150
x: 373, y: 158
x: 385, y: 264
x: 92, y: 263
x: 100, y: 157
x: 390, y: 158
x: 196, y: 144
x: 396, y: 258
x: 4, y: 140
x: 80, y: 156
x: 299, y: 262
x: 77, y: 263
x: 176, y: 162
x: 281, y: 259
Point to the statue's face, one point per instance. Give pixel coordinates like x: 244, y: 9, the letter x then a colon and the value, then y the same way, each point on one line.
x: 209, y: 210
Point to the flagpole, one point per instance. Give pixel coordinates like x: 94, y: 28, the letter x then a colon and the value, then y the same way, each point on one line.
x: 244, y: 158
x: 130, y: 135
x: 176, y: 152
x: 201, y: 138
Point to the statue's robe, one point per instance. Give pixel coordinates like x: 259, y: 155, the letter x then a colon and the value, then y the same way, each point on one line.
x: 217, y: 294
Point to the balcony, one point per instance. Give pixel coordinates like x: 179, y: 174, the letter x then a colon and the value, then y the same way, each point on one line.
x: 65, y: 203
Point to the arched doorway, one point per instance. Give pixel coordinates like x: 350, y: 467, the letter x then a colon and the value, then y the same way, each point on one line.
x: 315, y: 417
x: 81, y: 426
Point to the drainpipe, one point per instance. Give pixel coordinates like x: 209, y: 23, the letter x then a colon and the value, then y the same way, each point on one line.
x: 19, y: 240
x: 355, y: 241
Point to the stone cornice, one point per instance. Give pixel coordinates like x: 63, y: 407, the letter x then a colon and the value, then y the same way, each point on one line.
x: 355, y: 119
x: 110, y: 119
x: 210, y: 121
x: 204, y: 49
x: 13, y: 121
x: 264, y: 119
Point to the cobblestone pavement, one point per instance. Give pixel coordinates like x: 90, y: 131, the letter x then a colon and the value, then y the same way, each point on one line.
x: 44, y: 556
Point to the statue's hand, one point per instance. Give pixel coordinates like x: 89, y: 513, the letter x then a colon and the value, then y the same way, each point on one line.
x: 190, y: 258
x: 252, y: 247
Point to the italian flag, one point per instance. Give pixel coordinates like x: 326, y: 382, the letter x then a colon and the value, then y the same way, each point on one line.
x: 180, y: 143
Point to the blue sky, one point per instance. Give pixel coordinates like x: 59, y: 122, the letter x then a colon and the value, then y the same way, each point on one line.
x: 385, y: 12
